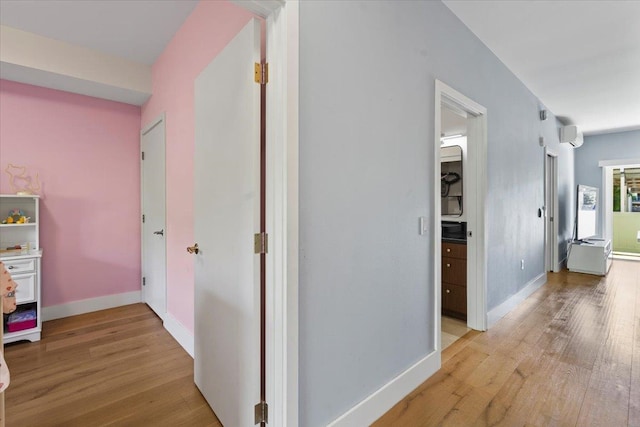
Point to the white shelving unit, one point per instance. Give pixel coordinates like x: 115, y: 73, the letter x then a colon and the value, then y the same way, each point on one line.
x: 23, y: 265
x: 591, y: 257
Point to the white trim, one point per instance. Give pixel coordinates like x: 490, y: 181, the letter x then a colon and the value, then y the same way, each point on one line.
x: 282, y: 206
x: 477, y: 133
x: 607, y: 214
x: 607, y: 187
x: 90, y: 305
x: 621, y: 162
x: 500, y: 311
x: 290, y: 234
x: 179, y: 332
x: 551, y: 243
x: 379, y: 402
x: 437, y: 223
x: 625, y: 256
x: 261, y: 8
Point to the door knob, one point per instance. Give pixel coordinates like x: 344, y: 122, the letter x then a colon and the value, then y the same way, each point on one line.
x: 193, y: 249
x: 159, y: 233
x: 448, y: 291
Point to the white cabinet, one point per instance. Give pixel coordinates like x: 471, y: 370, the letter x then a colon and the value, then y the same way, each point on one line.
x: 591, y: 257
x: 20, y: 252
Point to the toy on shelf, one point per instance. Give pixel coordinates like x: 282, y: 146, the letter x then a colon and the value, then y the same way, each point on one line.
x: 16, y: 216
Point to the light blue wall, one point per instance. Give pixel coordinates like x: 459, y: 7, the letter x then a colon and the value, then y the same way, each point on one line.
x: 610, y: 146
x: 566, y: 187
x: 367, y: 73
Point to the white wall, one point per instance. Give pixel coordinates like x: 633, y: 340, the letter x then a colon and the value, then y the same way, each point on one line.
x: 367, y: 73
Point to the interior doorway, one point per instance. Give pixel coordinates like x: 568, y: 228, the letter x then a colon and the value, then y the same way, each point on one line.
x: 551, y: 210
x: 460, y: 261
x: 620, y: 208
x: 282, y: 55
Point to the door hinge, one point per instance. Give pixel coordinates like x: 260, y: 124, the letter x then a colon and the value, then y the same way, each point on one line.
x: 144, y: 281
x: 143, y: 155
x: 142, y: 217
x: 262, y: 413
x: 260, y: 243
x: 261, y: 73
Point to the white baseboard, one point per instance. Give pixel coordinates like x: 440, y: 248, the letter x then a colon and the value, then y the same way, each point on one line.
x: 179, y: 333
x: 626, y: 256
x: 500, y: 311
x: 88, y: 305
x: 378, y: 403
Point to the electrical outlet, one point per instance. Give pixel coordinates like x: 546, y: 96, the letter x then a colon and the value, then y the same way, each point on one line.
x: 521, y: 264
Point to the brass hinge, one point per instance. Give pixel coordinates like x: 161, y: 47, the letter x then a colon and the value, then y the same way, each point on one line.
x: 261, y: 73
x: 262, y: 413
x: 143, y: 155
x: 260, y: 243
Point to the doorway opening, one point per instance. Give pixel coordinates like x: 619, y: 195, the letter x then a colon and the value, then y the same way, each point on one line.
x: 551, y: 211
x: 281, y: 204
x: 621, y: 214
x: 453, y: 193
x: 459, y: 215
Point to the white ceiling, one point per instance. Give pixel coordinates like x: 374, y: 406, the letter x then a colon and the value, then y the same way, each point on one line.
x: 137, y: 30
x: 580, y: 58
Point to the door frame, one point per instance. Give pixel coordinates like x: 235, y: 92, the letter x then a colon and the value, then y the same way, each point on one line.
x: 282, y: 25
x: 158, y: 121
x: 606, y: 194
x: 476, y: 208
x: 551, y: 204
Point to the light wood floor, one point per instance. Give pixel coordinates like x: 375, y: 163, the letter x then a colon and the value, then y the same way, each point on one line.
x: 112, y: 367
x: 569, y: 355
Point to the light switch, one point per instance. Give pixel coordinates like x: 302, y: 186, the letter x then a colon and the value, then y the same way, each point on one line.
x: 424, y: 225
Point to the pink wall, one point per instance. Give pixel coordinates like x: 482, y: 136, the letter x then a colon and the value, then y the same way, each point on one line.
x: 204, y: 34
x: 86, y: 153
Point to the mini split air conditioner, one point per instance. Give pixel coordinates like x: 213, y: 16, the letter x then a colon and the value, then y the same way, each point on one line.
x: 571, y: 135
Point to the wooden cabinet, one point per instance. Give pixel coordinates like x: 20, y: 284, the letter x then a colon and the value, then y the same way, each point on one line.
x: 23, y: 263
x: 454, y: 280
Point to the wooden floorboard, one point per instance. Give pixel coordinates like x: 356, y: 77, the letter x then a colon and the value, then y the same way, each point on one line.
x: 116, y: 367
x: 569, y: 355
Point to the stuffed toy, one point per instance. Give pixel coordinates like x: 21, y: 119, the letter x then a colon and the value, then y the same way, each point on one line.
x: 8, y: 290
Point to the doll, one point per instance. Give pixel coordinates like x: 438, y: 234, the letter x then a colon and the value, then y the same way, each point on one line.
x: 8, y: 290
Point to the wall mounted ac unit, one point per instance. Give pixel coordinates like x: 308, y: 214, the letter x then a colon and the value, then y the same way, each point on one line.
x: 571, y: 135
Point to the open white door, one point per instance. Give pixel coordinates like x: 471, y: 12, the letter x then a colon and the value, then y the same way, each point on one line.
x: 551, y: 210
x: 227, y: 214
x: 154, y: 259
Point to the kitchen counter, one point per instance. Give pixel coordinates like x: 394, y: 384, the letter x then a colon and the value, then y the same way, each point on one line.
x: 454, y: 240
